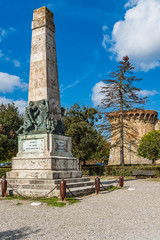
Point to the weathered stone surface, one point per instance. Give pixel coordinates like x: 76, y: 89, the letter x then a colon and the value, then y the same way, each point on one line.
x: 43, y: 82
x: 140, y: 122
x: 37, y: 145
x: 43, y: 174
x: 47, y: 153
x: 54, y: 163
x: 40, y: 187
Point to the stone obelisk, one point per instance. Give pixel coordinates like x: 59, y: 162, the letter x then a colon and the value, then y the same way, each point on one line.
x: 43, y: 82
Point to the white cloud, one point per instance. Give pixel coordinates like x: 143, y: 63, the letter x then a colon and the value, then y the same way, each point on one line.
x: 130, y: 3
x: 146, y: 93
x: 4, y: 32
x: 96, y: 95
x: 104, y: 28
x: 16, y: 63
x: 69, y: 86
x: 106, y: 39
x: 137, y: 35
x: 10, y: 82
x: 21, y: 104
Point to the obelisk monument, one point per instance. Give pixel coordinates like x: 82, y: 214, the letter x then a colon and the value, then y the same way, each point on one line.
x: 44, y: 152
x: 43, y: 82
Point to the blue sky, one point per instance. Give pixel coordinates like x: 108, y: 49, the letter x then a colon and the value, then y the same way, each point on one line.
x: 91, y: 37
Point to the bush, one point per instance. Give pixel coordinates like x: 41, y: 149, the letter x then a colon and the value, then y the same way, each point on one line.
x: 3, y: 171
x: 93, y: 170
x: 117, y: 170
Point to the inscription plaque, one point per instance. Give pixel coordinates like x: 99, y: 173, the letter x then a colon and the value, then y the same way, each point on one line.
x: 34, y: 145
x: 61, y: 146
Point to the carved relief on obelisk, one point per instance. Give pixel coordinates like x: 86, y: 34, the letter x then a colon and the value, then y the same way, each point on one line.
x: 43, y: 82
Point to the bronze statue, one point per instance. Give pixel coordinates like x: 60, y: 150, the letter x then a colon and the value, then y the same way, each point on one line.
x: 29, y: 121
x: 41, y: 120
x: 37, y: 119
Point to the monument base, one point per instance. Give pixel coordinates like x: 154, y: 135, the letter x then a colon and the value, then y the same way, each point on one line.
x: 42, y: 159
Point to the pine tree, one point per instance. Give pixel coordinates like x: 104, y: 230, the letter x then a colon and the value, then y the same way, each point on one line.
x: 120, y: 96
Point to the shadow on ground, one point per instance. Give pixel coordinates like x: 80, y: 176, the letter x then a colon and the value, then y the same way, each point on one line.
x: 17, y: 234
x: 117, y: 180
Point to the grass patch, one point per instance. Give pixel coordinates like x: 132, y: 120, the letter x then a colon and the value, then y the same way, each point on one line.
x: 15, y: 197
x: 19, y: 203
x: 53, y: 202
x: 72, y: 200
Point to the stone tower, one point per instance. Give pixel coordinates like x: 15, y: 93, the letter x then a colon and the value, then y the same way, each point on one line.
x: 140, y: 122
x: 43, y: 82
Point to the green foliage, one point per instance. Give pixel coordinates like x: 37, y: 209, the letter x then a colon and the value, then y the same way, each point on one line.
x: 53, y: 202
x: 93, y: 170
x: 149, y: 146
x: 87, y: 141
x: 3, y: 171
x: 125, y: 171
x: 10, y: 121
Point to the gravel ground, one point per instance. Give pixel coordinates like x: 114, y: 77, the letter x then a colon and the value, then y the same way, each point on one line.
x: 121, y: 214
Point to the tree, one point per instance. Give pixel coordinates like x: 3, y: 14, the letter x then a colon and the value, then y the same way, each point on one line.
x: 149, y: 146
x: 87, y: 141
x: 10, y: 121
x: 120, y: 96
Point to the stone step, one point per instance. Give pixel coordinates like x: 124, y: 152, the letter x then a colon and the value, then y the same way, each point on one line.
x: 43, y: 174
x: 78, y: 184
x: 80, y: 191
x: 31, y: 181
x: 50, y: 186
x: 32, y: 186
x: 84, y: 190
x: 77, y: 191
x: 73, y: 180
x: 36, y: 192
x: 46, y: 181
x: 41, y: 190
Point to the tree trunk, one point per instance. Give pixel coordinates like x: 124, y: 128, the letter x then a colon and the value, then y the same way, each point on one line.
x: 84, y: 162
x: 153, y: 162
x: 121, y: 130
x: 121, y: 148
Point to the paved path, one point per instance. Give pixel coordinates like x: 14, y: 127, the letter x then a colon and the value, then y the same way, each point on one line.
x: 121, y: 214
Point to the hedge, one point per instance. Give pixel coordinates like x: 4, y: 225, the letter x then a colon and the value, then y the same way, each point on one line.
x: 92, y: 170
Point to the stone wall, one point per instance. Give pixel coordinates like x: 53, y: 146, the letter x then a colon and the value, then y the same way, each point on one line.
x: 139, y: 122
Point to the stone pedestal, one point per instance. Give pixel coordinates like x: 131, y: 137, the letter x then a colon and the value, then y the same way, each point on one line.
x: 42, y: 158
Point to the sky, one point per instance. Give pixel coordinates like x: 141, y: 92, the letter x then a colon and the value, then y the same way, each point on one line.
x: 91, y: 38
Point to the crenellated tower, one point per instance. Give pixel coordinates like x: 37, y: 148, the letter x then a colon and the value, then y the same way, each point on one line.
x: 139, y: 122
